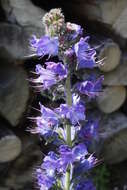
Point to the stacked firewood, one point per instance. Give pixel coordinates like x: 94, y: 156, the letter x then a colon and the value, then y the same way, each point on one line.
x: 20, y: 152
x: 17, y: 158
x: 107, y: 19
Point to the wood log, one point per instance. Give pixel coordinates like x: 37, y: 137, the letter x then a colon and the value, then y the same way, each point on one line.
x: 107, y: 17
x: 21, y: 174
x: 111, y: 54
x: 106, y: 11
x: 111, y: 98
x: 120, y: 25
x: 23, y: 12
x: 10, y: 145
x: 119, y: 75
x: 113, y: 138
x: 14, y: 92
x: 24, y: 20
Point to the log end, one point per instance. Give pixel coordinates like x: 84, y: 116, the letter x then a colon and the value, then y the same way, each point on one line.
x: 10, y: 148
x: 111, y: 99
x: 111, y: 53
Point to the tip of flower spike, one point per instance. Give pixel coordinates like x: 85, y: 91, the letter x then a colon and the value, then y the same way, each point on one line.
x: 52, y: 16
x: 53, y: 21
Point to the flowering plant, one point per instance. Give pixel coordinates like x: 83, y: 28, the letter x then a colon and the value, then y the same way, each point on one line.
x: 68, y: 125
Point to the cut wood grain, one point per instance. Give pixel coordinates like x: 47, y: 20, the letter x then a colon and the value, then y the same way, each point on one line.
x: 119, y: 75
x: 111, y: 54
x: 120, y: 25
x: 14, y: 92
x: 10, y: 145
x: 111, y: 98
x: 106, y: 11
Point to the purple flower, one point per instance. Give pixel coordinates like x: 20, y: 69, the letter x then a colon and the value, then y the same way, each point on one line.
x: 34, y: 41
x: 85, y: 54
x: 75, y: 30
x: 89, y: 163
x: 77, y: 114
x: 45, y: 45
x: 66, y: 158
x: 79, y: 152
x: 49, y: 115
x: 46, y: 122
x: 69, y: 156
x: 90, y: 88
x: 89, y: 131
x: 50, y: 164
x: 57, y: 68
x: 48, y: 77
x: 85, y: 185
x: 85, y: 164
x: 74, y: 113
x: 44, y: 181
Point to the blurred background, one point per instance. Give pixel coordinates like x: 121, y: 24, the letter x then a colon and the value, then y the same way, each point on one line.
x: 20, y: 152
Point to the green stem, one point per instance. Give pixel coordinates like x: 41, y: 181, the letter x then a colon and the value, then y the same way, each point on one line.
x: 67, y: 180
x: 68, y: 91
x: 68, y: 129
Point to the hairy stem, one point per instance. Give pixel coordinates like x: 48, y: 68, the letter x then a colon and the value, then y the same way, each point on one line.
x: 68, y: 129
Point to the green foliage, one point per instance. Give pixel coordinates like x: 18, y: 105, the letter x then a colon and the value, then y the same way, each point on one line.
x: 101, y: 177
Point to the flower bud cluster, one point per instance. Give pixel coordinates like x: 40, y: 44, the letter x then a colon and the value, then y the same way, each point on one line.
x: 53, y: 21
x: 68, y: 125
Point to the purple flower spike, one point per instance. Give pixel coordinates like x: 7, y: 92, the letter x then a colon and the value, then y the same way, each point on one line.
x: 91, y: 89
x: 85, y: 55
x: 85, y: 185
x: 69, y: 165
x: 45, y: 45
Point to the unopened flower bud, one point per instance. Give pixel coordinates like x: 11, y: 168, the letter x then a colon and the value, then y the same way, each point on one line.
x: 53, y: 21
